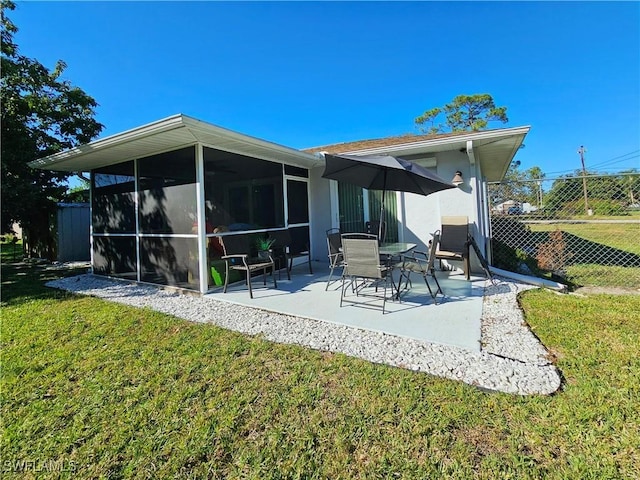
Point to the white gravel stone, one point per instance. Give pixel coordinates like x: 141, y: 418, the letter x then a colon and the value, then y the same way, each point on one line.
x: 512, y: 359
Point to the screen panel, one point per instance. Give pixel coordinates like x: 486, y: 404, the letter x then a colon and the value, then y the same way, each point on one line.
x: 170, y: 261
x: 168, y: 193
x: 115, y: 256
x: 242, y: 193
x: 113, y: 199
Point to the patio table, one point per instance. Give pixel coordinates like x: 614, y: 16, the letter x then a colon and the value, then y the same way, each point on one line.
x: 391, y: 250
x: 395, y: 249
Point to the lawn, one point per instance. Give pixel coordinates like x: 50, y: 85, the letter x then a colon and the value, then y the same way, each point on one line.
x: 92, y: 389
x: 603, y: 272
x: 623, y: 236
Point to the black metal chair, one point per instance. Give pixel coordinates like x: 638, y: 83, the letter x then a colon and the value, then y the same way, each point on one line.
x: 454, y: 242
x: 238, y: 256
x: 373, y: 228
x: 422, y: 263
x: 291, y: 248
x: 334, y: 247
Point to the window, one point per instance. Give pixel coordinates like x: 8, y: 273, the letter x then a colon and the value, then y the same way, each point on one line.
x: 297, y: 202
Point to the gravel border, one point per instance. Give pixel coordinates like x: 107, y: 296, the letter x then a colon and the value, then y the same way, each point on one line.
x: 512, y: 359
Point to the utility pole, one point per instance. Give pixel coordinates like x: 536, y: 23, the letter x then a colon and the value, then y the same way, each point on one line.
x: 582, y: 151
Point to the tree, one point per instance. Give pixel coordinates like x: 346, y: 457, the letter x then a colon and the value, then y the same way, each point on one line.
x: 520, y: 186
x: 465, y: 112
x: 41, y: 114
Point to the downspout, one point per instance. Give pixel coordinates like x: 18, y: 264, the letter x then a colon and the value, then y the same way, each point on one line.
x: 481, y: 205
x: 476, y: 191
x: 540, y: 282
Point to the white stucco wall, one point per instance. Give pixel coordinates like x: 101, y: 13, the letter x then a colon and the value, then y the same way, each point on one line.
x: 320, y: 206
x: 418, y: 216
x: 422, y: 215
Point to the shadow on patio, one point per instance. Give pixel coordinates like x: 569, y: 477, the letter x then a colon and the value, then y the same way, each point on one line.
x: 455, y: 321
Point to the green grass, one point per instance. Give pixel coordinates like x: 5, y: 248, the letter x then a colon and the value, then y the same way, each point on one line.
x: 604, y: 276
x: 623, y: 236
x: 9, y: 251
x: 108, y: 391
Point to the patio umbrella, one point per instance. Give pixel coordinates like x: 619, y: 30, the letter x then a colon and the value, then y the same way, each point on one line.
x: 383, y: 172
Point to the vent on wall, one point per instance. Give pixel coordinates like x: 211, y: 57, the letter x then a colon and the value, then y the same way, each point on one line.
x: 427, y: 162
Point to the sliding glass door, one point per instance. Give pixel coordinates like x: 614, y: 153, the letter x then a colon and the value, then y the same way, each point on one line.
x: 357, y: 206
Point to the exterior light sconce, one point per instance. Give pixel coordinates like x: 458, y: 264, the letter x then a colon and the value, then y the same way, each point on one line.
x: 457, y: 179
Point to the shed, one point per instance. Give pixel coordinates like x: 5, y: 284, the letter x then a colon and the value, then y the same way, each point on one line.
x: 74, y: 221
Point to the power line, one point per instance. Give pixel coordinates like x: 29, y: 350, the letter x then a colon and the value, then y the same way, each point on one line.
x: 605, y: 162
x: 619, y: 159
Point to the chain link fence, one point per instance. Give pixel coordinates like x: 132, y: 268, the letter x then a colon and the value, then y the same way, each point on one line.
x: 578, y: 230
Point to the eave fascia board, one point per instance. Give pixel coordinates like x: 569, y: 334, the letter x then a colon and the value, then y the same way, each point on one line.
x: 512, y: 154
x: 473, y: 136
x: 173, y: 122
x: 159, y: 126
x: 205, y: 127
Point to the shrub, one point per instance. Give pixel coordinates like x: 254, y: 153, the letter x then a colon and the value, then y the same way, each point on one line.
x: 552, y: 255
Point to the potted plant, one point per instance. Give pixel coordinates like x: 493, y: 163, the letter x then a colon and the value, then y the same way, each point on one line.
x: 264, y: 245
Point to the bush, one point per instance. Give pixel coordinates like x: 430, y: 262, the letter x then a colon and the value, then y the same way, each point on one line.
x: 607, y: 207
x: 552, y: 255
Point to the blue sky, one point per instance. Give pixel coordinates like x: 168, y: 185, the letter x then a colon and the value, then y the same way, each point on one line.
x: 305, y: 74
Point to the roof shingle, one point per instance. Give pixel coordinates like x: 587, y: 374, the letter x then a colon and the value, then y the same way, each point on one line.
x: 381, y: 142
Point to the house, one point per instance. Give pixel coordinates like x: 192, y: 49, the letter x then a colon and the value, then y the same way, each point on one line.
x: 512, y: 207
x: 161, y: 193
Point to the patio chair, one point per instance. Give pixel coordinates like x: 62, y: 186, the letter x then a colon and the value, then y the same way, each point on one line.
x: 454, y: 241
x: 237, y: 256
x: 422, y: 263
x: 362, y: 263
x: 373, y: 228
x: 291, y: 248
x: 334, y: 247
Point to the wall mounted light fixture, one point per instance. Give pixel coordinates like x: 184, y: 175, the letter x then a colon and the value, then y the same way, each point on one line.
x: 457, y: 178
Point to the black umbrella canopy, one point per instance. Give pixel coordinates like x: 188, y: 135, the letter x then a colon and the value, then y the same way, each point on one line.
x: 383, y: 172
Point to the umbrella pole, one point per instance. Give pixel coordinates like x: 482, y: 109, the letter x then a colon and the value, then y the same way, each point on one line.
x: 380, y: 220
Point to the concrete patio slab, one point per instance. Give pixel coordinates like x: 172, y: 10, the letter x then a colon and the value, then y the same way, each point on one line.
x: 454, y: 321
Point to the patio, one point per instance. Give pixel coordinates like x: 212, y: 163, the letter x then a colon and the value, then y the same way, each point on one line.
x: 455, y: 321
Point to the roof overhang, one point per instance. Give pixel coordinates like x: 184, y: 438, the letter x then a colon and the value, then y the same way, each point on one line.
x: 493, y: 149
x: 168, y: 134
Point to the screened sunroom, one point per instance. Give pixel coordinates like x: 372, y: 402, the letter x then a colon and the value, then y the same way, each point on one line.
x: 162, y: 193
